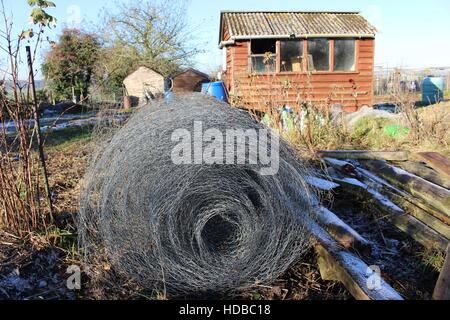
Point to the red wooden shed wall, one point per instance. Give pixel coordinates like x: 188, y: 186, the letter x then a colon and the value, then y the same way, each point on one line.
x: 188, y: 81
x: 258, y: 91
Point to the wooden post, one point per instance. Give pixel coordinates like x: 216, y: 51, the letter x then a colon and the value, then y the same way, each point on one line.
x: 420, y: 232
x: 393, y: 193
x: 422, y: 170
x: 435, y: 160
x: 342, y: 232
x: 336, y: 263
x: 436, y: 196
x: 38, y: 134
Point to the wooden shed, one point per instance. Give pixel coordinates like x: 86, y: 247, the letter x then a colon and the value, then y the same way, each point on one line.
x: 144, y: 84
x: 276, y: 59
x: 188, y: 80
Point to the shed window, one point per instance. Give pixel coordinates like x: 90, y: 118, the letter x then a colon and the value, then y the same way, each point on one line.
x: 318, y: 55
x: 263, y: 55
x: 344, y: 55
x: 291, y: 55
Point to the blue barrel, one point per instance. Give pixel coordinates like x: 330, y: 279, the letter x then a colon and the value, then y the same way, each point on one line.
x: 215, y: 89
x: 432, y: 89
x: 168, y: 95
x: 205, y: 87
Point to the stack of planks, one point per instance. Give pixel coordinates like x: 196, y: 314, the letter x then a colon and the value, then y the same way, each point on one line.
x: 411, y: 189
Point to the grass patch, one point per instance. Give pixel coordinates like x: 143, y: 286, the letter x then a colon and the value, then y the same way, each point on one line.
x: 377, y: 133
x: 432, y: 258
x: 447, y: 94
x: 62, y: 139
x: 368, y: 127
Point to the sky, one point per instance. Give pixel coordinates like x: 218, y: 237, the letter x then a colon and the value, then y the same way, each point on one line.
x: 412, y: 34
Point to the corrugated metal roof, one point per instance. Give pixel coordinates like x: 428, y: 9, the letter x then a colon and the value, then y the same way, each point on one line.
x: 254, y: 24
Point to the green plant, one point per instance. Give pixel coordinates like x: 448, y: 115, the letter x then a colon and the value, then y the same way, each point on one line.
x: 69, y: 65
x: 42, y: 96
x: 369, y: 128
x: 447, y: 94
x: 432, y: 258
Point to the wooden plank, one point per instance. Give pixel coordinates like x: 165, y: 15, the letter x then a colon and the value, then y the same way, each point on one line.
x: 416, y: 229
x: 342, y: 232
x: 436, y: 161
x: 320, y: 183
x: 332, y: 78
x: 318, y: 89
x: 442, y: 288
x: 340, y: 165
x: 420, y: 232
x: 421, y: 215
x: 400, y: 197
x: 388, y: 189
x: 428, y: 219
x: 431, y: 193
x: 346, y: 267
x: 364, y: 154
x: 422, y: 170
x: 363, y: 61
x: 338, y: 264
x: 338, y: 229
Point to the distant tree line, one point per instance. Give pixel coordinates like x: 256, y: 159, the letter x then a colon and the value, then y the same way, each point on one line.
x: 141, y: 33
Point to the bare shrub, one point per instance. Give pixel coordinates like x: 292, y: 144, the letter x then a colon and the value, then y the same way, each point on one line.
x: 21, y: 182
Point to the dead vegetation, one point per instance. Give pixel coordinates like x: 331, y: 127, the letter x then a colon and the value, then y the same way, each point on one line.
x: 319, y: 125
x: 69, y: 151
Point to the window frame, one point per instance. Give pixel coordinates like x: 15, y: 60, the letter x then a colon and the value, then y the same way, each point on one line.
x: 330, y: 55
x: 251, y: 55
x: 304, y: 63
x: 305, y: 60
x: 356, y: 56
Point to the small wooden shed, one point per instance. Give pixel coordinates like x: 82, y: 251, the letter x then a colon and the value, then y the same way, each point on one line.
x: 144, y: 84
x: 281, y: 58
x: 189, y: 80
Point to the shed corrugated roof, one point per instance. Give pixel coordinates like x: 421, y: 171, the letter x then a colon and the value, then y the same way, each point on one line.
x: 254, y: 24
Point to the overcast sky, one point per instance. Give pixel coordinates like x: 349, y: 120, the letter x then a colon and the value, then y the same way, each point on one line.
x: 411, y: 33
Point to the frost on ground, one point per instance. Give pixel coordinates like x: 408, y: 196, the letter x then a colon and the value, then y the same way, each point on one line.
x: 27, y: 273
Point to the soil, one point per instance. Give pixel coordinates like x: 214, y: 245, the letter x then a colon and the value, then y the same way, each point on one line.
x: 28, y: 272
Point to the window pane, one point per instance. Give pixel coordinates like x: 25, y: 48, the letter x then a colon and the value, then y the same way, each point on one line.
x: 261, y: 46
x: 318, y: 55
x: 291, y: 53
x: 344, y: 55
x: 264, y: 63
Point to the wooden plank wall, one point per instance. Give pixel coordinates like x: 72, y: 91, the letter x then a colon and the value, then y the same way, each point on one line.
x: 188, y: 82
x: 352, y: 89
x: 143, y: 79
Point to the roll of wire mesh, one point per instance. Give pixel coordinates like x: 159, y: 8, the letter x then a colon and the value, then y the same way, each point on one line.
x: 193, y: 228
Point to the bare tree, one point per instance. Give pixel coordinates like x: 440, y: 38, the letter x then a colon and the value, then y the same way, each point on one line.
x: 153, y: 33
